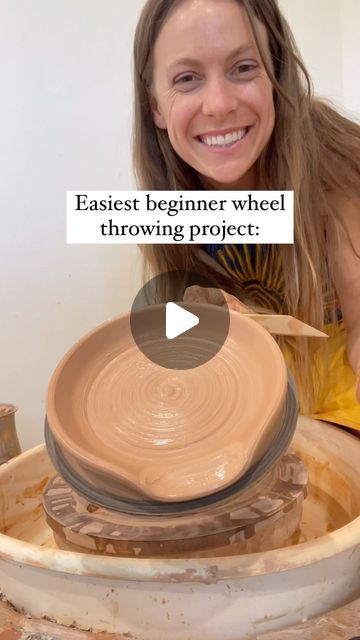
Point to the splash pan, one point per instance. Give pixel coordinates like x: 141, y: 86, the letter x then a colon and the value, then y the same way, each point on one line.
x: 231, y: 598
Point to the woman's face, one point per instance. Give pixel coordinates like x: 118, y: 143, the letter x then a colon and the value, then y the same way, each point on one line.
x: 211, y: 91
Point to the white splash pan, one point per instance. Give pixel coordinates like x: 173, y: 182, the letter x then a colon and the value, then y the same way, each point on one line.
x: 189, y: 599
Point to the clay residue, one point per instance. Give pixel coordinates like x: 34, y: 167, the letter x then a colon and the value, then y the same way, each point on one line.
x: 10, y: 634
x: 170, y: 434
x: 17, y: 625
x: 37, y: 489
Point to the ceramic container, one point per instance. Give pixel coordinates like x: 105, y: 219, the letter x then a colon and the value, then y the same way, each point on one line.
x: 9, y: 443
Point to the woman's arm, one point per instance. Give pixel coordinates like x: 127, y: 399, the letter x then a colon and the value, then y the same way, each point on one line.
x: 344, y: 260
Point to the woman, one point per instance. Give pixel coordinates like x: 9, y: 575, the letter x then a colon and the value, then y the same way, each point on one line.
x: 223, y: 101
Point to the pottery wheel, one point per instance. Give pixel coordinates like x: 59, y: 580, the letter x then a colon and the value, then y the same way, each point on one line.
x: 81, y: 525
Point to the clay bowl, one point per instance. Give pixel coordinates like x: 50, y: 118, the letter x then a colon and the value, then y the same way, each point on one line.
x: 172, y: 435
x: 97, y: 489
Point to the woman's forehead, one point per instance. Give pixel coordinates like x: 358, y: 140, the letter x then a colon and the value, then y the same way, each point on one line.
x: 209, y: 15
x: 198, y: 27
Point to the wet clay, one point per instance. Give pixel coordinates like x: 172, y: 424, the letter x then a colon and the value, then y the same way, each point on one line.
x: 171, y: 434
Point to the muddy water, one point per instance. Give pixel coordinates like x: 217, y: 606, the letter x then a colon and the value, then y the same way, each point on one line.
x: 321, y: 514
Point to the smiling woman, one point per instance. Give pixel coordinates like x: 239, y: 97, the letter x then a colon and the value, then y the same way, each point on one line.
x: 216, y: 104
x: 223, y: 101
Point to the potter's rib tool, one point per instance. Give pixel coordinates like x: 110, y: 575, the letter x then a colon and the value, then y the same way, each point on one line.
x: 285, y: 325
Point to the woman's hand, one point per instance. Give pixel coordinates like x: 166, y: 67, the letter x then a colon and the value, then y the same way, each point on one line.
x: 358, y: 386
x: 214, y: 296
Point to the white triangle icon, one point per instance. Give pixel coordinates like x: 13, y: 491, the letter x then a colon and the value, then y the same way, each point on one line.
x: 178, y: 320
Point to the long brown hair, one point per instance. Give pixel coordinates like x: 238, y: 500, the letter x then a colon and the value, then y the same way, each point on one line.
x: 313, y: 150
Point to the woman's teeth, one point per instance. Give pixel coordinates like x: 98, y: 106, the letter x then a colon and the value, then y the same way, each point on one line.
x: 224, y: 141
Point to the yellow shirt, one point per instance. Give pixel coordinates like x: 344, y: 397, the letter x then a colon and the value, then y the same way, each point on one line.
x: 258, y: 270
x: 337, y: 399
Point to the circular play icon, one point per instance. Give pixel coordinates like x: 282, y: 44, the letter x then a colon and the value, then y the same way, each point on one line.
x: 173, y: 324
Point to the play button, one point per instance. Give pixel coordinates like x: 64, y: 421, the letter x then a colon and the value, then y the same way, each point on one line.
x: 173, y: 333
x: 178, y: 320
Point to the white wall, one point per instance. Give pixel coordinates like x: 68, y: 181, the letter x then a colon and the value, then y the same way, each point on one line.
x: 327, y: 34
x: 350, y: 21
x: 65, y: 114
x: 317, y: 30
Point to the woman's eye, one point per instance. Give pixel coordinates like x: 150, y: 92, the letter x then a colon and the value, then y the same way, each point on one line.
x: 245, y: 68
x: 186, y: 78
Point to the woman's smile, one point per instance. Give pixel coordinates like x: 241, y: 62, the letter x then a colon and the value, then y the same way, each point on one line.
x: 223, y: 138
x: 210, y: 90
x: 223, y: 142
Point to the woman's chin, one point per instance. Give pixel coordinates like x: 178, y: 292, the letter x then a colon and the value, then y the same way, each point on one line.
x: 228, y: 181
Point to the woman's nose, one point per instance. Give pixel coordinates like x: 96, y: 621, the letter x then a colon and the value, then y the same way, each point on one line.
x: 219, y: 98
